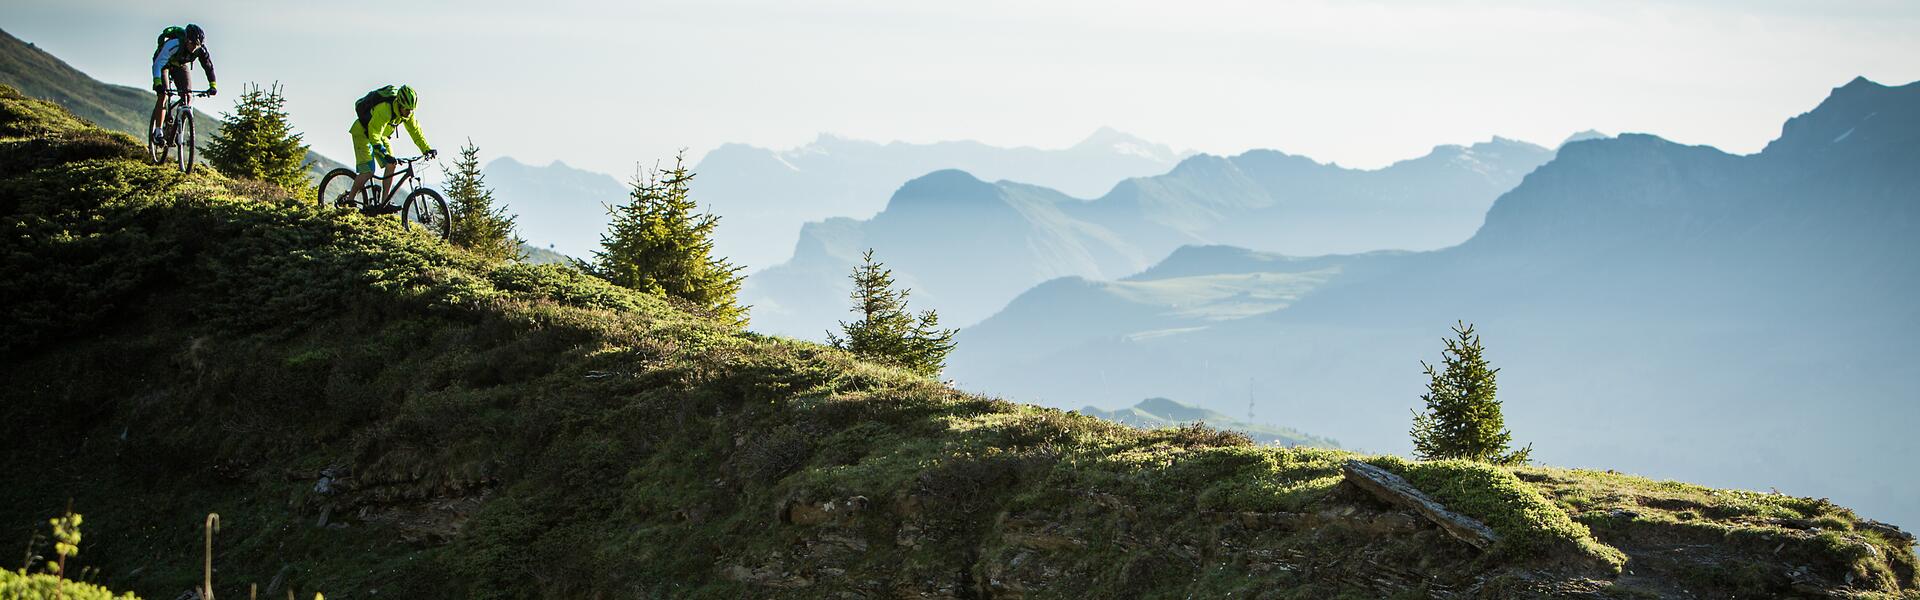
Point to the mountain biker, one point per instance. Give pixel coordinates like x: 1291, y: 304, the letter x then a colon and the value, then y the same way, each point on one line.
x: 178, y: 47
x: 378, y: 116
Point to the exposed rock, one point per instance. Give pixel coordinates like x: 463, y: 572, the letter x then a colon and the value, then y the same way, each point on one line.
x: 1393, y: 489
x: 769, y: 576
x: 1888, y: 531
x: 821, y: 513
x: 1398, y: 522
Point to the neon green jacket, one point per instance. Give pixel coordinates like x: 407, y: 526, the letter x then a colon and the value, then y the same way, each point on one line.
x: 382, y: 124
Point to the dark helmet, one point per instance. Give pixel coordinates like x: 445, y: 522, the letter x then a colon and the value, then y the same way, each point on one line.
x: 195, y: 34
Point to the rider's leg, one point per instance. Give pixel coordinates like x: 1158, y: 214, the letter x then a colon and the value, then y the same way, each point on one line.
x: 362, y: 159
x: 159, y: 109
x: 177, y: 78
x: 386, y: 180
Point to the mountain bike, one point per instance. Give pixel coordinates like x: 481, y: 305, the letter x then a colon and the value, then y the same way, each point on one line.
x: 176, y: 133
x: 424, y: 207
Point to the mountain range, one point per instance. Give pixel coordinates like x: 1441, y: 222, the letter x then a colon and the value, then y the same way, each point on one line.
x: 557, y: 207
x: 1672, y: 310
x: 764, y: 196
x: 1154, y: 413
x: 966, y: 247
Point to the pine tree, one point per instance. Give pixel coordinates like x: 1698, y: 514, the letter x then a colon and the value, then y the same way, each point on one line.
x: 1463, y: 418
x: 478, y: 225
x: 659, y: 242
x: 256, y: 141
x: 887, y: 331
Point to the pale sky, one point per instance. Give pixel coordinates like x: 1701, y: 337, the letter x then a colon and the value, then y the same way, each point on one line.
x: 606, y: 85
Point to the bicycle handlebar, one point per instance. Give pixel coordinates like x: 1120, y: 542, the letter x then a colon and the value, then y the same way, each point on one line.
x: 200, y: 93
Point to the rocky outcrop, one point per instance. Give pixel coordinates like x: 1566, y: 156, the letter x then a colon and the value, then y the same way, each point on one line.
x: 1397, y: 491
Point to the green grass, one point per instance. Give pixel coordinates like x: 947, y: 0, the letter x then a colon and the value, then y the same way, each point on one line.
x: 14, y: 584
x: 180, y: 345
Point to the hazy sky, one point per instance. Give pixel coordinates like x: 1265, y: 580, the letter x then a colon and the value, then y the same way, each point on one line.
x: 604, y: 85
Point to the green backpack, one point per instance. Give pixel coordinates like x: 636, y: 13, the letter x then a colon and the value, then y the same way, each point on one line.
x: 363, y: 107
x: 170, y: 33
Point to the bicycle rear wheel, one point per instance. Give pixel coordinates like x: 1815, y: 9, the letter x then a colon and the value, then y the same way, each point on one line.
x: 427, y: 210
x: 334, y: 188
x: 185, y: 141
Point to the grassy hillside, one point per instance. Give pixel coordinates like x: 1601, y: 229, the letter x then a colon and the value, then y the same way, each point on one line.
x: 375, y: 414
x: 38, y: 74
x: 543, y: 256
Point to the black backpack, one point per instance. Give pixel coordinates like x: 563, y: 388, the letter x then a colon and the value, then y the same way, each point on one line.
x: 363, y: 107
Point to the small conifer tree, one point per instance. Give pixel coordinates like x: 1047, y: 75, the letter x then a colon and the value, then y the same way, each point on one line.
x: 1463, y: 418
x: 256, y: 141
x: 886, y: 330
x: 661, y: 243
x: 478, y: 224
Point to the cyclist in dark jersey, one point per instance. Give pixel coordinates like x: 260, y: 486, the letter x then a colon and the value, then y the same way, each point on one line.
x: 170, y: 62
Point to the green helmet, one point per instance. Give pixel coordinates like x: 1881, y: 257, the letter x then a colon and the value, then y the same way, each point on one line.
x: 405, y: 99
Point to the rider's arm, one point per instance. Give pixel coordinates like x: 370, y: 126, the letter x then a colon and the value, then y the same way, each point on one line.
x: 165, y: 54
x: 413, y: 130
x: 206, y: 64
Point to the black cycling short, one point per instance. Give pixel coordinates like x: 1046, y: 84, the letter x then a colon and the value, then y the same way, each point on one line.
x: 178, y: 77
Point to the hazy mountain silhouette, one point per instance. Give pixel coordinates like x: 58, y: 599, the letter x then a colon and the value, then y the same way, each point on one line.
x: 1161, y: 412
x: 763, y: 195
x: 1672, y: 310
x: 956, y: 241
x: 558, y: 205
x: 968, y: 247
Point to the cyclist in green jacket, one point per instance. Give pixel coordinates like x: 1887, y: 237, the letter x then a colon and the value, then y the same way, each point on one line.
x: 179, y: 48
x: 378, y: 116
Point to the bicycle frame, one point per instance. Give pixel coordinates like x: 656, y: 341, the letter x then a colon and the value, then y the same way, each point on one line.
x: 401, y: 177
x: 179, y: 108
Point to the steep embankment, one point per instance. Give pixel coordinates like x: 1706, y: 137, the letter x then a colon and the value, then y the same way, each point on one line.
x: 375, y: 414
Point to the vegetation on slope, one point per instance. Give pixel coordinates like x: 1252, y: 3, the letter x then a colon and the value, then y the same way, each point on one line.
x: 374, y: 413
x: 1154, y: 413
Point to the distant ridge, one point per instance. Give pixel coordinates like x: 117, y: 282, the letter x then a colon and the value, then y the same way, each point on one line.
x: 557, y: 205
x: 764, y: 195
x: 967, y: 246
x: 1155, y: 413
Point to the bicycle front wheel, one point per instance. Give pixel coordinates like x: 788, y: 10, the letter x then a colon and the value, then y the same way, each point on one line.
x: 334, y: 188
x: 156, y: 152
x: 427, y: 210
x: 185, y: 144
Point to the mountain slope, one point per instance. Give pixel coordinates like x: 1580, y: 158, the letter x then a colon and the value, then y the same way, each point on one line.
x: 985, y: 246
x: 1656, y: 307
x: 374, y: 413
x: 557, y: 206
x: 38, y: 74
